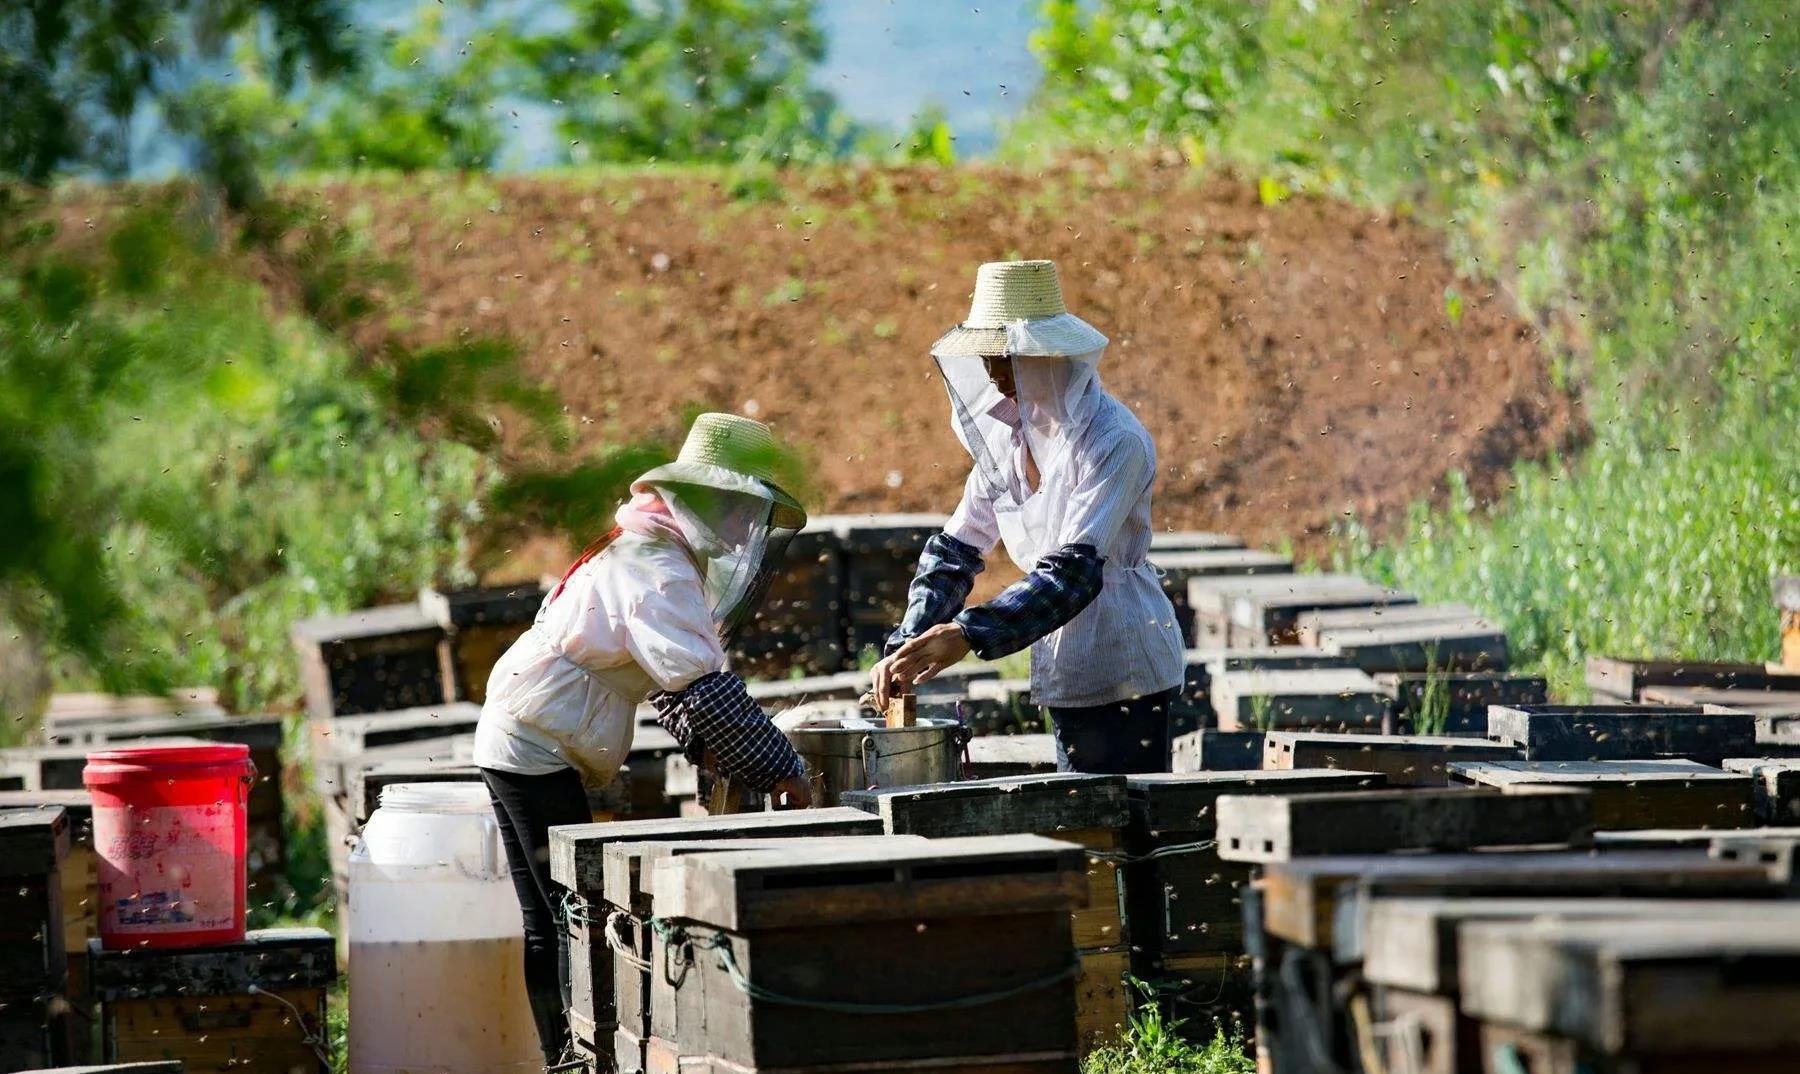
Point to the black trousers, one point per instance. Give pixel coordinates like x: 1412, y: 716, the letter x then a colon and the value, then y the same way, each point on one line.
x: 1127, y: 737
x: 527, y: 807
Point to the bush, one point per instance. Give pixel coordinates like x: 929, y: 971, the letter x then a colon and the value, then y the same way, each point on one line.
x: 1630, y: 172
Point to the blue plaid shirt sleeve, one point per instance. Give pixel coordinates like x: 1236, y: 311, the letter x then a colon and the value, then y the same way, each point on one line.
x: 1057, y: 589
x: 716, y: 713
x: 946, y: 573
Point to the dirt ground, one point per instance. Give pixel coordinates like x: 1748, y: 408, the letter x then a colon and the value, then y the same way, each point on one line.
x: 1297, y: 363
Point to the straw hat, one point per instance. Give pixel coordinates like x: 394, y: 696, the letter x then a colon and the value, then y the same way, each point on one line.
x: 1018, y: 310
x: 725, y: 451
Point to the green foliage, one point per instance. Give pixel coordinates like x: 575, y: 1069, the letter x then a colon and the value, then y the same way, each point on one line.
x: 421, y: 99
x: 73, y: 72
x: 196, y: 473
x: 719, y: 80
x: 1631, y: 171
x: 1151, y: 1045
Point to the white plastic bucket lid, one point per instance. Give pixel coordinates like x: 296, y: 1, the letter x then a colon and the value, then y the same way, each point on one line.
x: 451, y: 797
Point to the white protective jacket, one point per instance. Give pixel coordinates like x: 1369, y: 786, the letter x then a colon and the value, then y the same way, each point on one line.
x: 634, y: 619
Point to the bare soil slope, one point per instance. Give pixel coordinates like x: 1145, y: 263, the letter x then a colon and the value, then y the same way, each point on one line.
x: 1295, y: 362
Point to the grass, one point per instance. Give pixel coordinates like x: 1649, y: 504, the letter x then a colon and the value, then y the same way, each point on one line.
x: 1151, y: 1044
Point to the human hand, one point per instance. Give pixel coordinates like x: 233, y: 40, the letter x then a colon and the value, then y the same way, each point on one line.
x: 920, y: 659
x: 794, y: 792
x: 885, y: 686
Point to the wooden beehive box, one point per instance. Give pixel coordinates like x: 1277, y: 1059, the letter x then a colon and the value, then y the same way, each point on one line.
x: 578, y: 863
x: 630, y: 871
x: 79, y: 883
x: 1406, y: 760
x: 962, y: 954
x: 1411, y: 956
x: 1265, y: 609
x: 1193, y: 709
x: 1310, y: 626
x: 375, y: 660
x: 1184, y: 902
x: 1472, y: 644
x: 338, y: 744
x: 258, y: 1004
x: 799, y: 625
x: 1631, y: 794
x: 1276, y: 828
x: 1775, y: 783
x: 1456, y: 702
x: 1623, y: 732
x: 878, y: 554
x: 479, y: 626
x: 1178, y: 566
x: 1721, y: 992
x: 1615, y: 679
x: 1217, y: 751
x: 1088, y: 810
x: 35, y: 1028
x: 1326, y: 699
x: 1000, y: 708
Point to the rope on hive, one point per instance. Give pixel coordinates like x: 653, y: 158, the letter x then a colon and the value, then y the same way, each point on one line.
x: 619, y: 945
x: 312, y: 1040
x: 1122, y: 858
x: 678, y: 935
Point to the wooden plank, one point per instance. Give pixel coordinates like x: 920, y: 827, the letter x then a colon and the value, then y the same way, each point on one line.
x: 1192, y: 541
x: 577, y: 851
x: 1623, y: 732
x: 1265, y: 829
x: 1665, y: 793
x: 1776, y: 785
x: 1701, y: 838
x: 1308, y: 625
x: 1039, y: 804
x: 1644, y: 988
x: 1178, y: 567
x: 1315, y: 902
x: 1264, y: 609
x: 1406, y: 760
x: 1411, y: 941
x: 1456, y: 702
x: 1759, y: 702
x: 1325, y: 698
x: 811, y: 887
x: 1103, y: 999
x: 1624, y: 680
x: 995, y: 756
x: 1460, y: 645
x: 1218, y: 751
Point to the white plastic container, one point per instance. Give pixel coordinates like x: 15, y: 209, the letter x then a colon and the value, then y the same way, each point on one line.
x: 436, y: 941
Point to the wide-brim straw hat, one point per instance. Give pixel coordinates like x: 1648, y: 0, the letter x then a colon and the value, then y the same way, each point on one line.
x: 1018, y: 310
x: 732, y: 453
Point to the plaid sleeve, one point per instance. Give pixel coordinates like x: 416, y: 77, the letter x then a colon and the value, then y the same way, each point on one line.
x: 946, y: 573
x: 1057, y: 589
x: 716, y: 713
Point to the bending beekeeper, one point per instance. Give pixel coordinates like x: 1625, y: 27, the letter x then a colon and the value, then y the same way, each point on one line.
x: 1061, y: 476
x: 647, y: 611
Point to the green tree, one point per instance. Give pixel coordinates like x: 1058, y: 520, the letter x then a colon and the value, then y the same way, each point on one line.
x: 683, y: 80
x: 74, y: 73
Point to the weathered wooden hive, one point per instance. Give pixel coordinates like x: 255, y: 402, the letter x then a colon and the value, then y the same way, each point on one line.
x: 955, y: 954
x: 254, y: 1005
x: 373, y: 660
x: 35, y: 1021
x: 578, y: 863
x: 1087, y: 810
x: 479, y: 626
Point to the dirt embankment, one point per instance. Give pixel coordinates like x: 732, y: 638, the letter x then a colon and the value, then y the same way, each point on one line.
x: 1295, y: 362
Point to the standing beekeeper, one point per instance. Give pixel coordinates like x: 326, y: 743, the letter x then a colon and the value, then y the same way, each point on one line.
x: 646, y: 612
x: 1061, y: 476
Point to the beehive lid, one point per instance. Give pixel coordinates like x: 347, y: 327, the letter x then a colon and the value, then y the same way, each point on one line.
x: 815, y: 887
x: 1004, y: 805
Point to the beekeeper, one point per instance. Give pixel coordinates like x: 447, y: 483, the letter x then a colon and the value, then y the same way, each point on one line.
x: 1061, y: 476
x: 647, y: 611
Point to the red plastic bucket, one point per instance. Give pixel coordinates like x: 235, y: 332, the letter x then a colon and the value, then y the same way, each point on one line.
x: 169, y: 836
